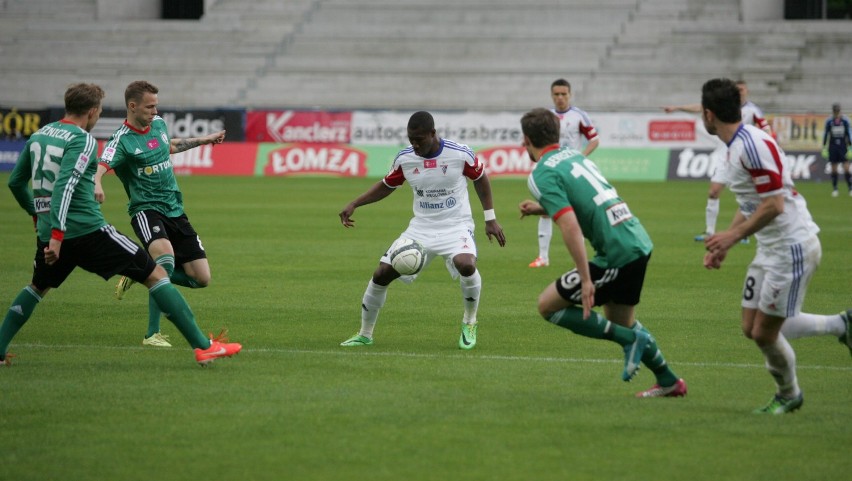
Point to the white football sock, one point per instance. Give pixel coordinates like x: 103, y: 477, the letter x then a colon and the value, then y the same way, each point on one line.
x: 781, y: 363
x: 371, y: 304
x: 471, y: 287
x: 711, y: 214
x: 545, y: 233
x: 808, y: 325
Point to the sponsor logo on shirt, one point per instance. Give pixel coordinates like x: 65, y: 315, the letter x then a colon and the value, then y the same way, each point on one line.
x: 448, y: 203
x: 41, y: 204
x: 430, y: 164
x: 153, y: 144
x: 82, y: 163
x: 618, y: 213
x: 431, y: 205
x: 108, y: 154
x: 154, y: 169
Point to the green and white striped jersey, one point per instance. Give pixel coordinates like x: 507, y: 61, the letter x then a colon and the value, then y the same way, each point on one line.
x: 60, y: 160
x: 565, y: 180
x: 141, y: 161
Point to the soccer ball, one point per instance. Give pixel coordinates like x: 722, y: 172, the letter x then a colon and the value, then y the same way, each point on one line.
x: 407, y: 256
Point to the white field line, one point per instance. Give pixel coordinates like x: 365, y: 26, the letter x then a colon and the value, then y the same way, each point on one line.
x: 468, y: 357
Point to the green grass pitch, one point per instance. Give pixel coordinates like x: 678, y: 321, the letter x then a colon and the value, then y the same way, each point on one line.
x: 85, y: 401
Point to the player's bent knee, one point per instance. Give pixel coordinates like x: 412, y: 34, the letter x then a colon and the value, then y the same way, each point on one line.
x: 156, y: 276
x: 467, y: 270
x: 384, y: 274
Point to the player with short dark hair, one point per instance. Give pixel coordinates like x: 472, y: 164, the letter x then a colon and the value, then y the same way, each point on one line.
x: 750, y: 114
x: 575, y: 128
x: 139, y: 153
x: 788, y: 250
x: 437, y: 170
x: 835, y: 147
x: 569, y: 188
x: 60, y: 160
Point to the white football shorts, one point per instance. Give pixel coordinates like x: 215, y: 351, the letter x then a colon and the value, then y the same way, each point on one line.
x: 777, y: 279
x: 446, y: 243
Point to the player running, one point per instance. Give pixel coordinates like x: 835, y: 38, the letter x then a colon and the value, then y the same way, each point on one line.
x: 569, y: 188
x: 139, y: 152
x: 60, y: 160
x: 788, y: 249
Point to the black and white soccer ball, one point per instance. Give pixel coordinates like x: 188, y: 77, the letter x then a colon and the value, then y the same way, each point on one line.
x: 407, y: 256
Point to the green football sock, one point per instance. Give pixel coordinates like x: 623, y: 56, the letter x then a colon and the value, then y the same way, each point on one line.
x: 153, y: 316
x: 167, y: 261
x: 174, y: 306
x: 181, y: 278
x: 596, y: 326
x: 20, y: 310
x: 656, y: 362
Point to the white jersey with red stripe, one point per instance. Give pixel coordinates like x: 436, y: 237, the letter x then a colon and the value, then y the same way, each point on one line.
x: 439, y: 183
x: 756, y: 167
x: 752, y: 115
x: 574, y: 124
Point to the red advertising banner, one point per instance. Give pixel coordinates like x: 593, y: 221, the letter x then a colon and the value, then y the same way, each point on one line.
x: 314, y: 159
x: 285, y: 126
x: 671, y: 131
x: 236, y: 158
x: 505, y: 160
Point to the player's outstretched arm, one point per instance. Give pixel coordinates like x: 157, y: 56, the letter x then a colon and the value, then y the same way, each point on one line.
x: 691, y: 108
x: 374, y: 194
x: 180, y: 145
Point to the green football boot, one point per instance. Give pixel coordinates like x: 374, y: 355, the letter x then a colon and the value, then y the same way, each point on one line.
x: 357, y: 340
x: 468, y: 336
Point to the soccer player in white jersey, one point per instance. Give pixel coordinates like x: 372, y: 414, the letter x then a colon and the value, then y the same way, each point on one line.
x: 437, y: 170
x: 751, y: 115
x: 788, y: 249
x: 575, y: 129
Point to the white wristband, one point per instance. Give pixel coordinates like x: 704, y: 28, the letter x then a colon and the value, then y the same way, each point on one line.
x: 489, y: 215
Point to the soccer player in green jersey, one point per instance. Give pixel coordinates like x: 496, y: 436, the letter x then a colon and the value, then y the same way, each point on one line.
x: 60, y: 160
x: 139, y: 152
x: 570, y: 189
